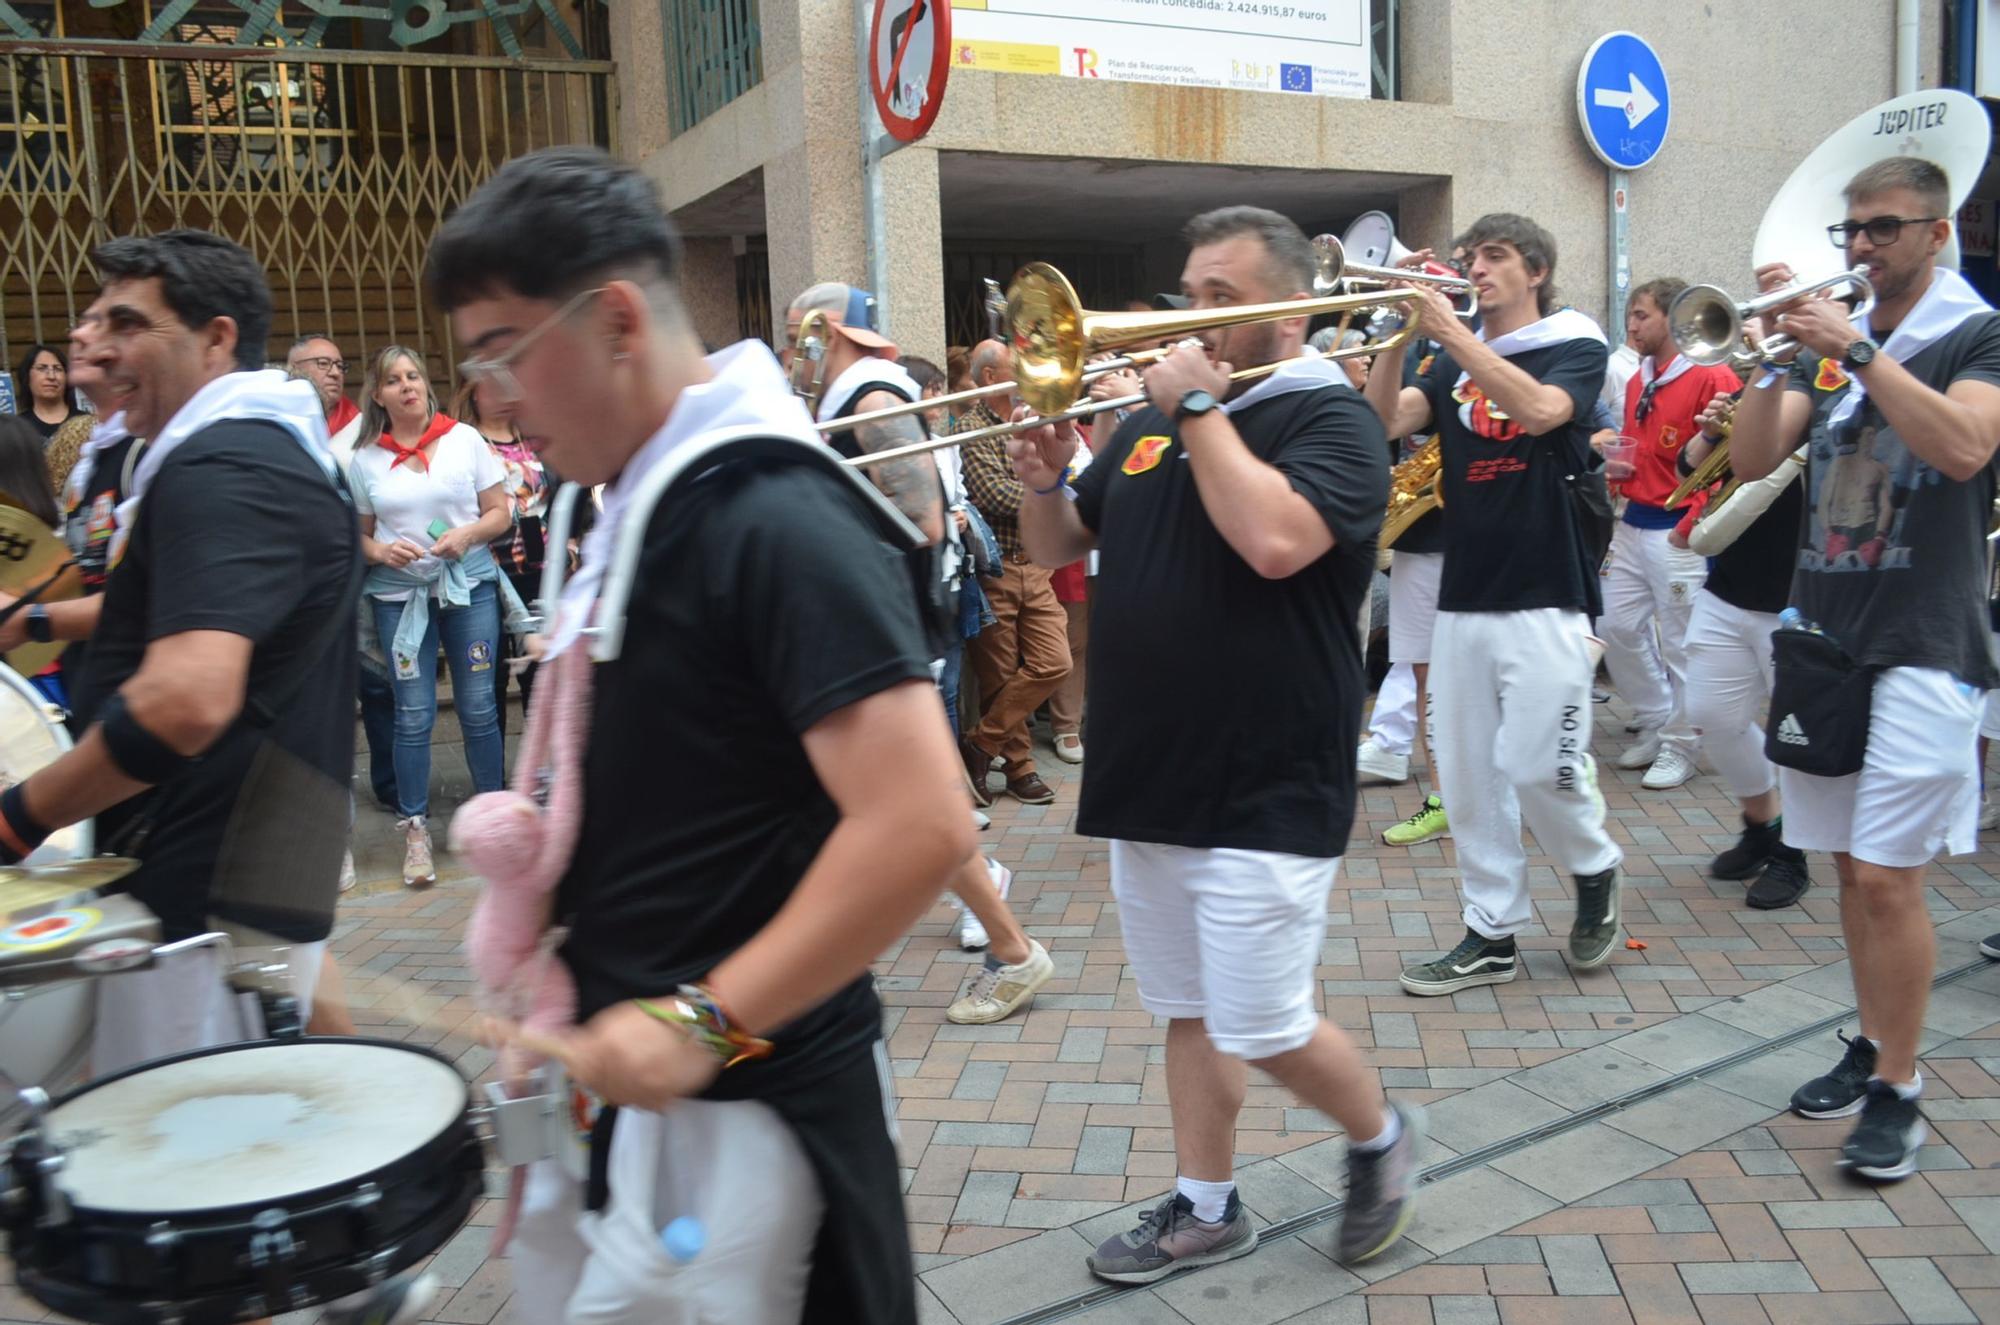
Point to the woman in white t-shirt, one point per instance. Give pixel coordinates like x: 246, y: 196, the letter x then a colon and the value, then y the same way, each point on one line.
x: 432, y: 497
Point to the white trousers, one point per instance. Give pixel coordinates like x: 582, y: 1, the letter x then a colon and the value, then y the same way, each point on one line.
x: 1510, y: 727
x: 1728, y: 685
x: 1413, y: 603
x: 734, y: 1165
x: 1917, y: 794
x: 1230, y: 936
x: 1649, y: 592
x: 1393, y: 721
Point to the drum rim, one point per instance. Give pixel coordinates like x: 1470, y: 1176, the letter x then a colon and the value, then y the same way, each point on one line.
x: 447, y: 1138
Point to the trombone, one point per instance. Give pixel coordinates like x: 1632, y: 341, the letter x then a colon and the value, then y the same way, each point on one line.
x: 1707, y: 325
x: 1336, y: 274
x: 1054, y: 337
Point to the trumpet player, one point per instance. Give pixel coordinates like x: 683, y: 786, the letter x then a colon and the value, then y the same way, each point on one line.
x: 1749, y: 537
x: 1907, y: 606
x: 1649, y: 583
x: 1511, y: 655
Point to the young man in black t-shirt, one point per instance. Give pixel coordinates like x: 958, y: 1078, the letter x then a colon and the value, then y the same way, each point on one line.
x: 1892, y: 566
x: 769, y: 792
x: 1511, y: 654
x: 1238, y: 523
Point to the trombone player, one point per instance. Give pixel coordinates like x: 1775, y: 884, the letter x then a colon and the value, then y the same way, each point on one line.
x: 1238, y: 526
x: 1909, y: 605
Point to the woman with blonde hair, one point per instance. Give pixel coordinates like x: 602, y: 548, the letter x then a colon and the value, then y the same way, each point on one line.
x: 432, y: 498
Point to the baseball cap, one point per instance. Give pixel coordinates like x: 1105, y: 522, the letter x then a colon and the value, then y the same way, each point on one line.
x: 849, y: 308
x: 1166, y: 302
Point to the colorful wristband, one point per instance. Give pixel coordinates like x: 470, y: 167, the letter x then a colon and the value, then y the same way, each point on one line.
x: 699, y: 1012
x: 20, y: 831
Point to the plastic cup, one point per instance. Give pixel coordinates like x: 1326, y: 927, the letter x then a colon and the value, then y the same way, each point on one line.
x: 1619, y: 458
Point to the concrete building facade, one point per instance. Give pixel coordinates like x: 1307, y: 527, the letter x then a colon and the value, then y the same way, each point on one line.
x: 1105, y: 172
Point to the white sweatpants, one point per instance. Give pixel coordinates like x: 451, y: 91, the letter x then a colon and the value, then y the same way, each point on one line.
x: 1510, y: 726
x: 734, y: 1165
x: 1728, y: 685
x: 1393, y: 721
x: 1649, y: 592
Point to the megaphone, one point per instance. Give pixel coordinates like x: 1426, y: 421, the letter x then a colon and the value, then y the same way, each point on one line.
x: 1372, y: 251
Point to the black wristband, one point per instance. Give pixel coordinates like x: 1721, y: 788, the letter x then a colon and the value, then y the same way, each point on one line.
x: 20, y: 833
x: 138, y: 753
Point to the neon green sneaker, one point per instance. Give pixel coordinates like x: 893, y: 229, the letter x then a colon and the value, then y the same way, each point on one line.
x: 1425, y: 824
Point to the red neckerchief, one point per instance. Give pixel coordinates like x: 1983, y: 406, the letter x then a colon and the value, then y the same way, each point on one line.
x: 441, y: 424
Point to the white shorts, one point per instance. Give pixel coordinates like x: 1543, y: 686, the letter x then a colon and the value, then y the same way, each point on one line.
x: 184, y: 1004
x: 1917, y: 794
x: 1230, y: 936
x: 1413, y: 604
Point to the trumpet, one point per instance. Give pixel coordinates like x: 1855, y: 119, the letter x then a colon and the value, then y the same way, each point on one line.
x: 1054, y: 336
x: 1336, y: 275
x: 1707, y: 325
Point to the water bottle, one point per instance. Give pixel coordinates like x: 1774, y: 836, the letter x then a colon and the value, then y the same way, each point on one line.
x: 1793, y: 619
x: 684, y: 1238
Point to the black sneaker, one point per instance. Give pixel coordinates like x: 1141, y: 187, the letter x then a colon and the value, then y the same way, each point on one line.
x: 400, y: 1301
x: 1753, y: 848
x: 1381, y: 1190
x: 1593, y: 935
x: 1990, y: 947
x: 1170, y: 1238
x: 1781, y: 884
x: 1884, y: 1144
x: 1477, y: 960
x: 1842, y: 1091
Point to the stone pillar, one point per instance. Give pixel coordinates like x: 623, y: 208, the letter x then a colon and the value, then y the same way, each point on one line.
x: 916, y: 252
x: 708, y: 287
x: 812, y: 190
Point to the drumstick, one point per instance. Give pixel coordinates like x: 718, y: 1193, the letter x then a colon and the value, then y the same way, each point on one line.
x: 420, y: 1007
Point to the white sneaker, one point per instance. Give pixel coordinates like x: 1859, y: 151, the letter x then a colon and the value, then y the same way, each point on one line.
x: 997, y: 992
x: 1377, y: 766
x: 1671, y: 768
x: 981, y: 819
x: 972, y: 935
x: 346, y: 871
x: 418, y: 869
x: 1642, y: 752
x: 1069, y: 748
x: 1989, y: 814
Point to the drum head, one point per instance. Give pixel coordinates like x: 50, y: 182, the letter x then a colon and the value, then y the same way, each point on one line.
x: 251, y: 1124
x: 30, y: 740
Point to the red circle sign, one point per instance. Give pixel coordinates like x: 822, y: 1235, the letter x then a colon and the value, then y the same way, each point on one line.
x: 909, y: 57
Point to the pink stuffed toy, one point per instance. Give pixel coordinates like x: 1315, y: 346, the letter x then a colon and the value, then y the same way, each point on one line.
x: 521, y: 849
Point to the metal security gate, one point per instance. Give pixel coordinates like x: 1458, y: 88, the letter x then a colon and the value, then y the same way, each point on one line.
x: 334, y: 167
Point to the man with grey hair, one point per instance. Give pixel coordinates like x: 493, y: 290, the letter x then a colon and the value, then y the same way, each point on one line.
x: 1238, y: 523
x: 316, y: 359
x: 1902, y: 597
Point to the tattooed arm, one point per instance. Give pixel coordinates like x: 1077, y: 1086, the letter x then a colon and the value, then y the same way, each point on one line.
x: 912, y: 483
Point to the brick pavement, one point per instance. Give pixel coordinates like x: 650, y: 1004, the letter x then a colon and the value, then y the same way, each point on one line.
x: 1027, y: 1141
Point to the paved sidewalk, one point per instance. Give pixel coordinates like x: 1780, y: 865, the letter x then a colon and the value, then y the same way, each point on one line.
x: 1613, y: 1146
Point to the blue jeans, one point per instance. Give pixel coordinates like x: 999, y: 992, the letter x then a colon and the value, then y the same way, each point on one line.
x: 954, y: 669
x: 471, y: 637
x: 378, y: 723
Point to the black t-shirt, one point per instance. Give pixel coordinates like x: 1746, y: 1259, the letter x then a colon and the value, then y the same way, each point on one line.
x: 1892, y: 559
x: 42, y: 426
x: 1755, y: 572
x: 94, y: 518
x: 1512, y: 542
x: 1224, y: 707
x: 241, y: 531
x: 766, y: 600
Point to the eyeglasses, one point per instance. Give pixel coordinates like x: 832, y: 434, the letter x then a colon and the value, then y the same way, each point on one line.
x: 53, y: 369
x: 496, y: 373
x: 319, y: 363
x: 1882, y: 231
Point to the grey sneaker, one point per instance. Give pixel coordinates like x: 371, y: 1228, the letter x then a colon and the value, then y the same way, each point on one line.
x: 1477, y: 960
x: 1381, y: 1192
x: 1170, y: 1238
x: 1593, y: 935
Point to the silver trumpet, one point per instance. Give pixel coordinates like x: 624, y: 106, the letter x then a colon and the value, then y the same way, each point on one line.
x: 1707, y: 324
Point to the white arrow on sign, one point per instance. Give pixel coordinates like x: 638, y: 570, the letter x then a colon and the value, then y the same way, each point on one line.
x: 1638, y: 102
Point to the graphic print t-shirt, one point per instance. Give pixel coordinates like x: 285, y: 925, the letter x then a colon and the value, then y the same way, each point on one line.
x: 1892, y: 560
x: 1511, y: 538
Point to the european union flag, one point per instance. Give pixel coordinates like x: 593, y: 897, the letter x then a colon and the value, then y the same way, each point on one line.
x: 1295, y: 77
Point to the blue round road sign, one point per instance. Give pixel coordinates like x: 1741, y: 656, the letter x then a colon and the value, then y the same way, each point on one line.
x: 1621, y: 101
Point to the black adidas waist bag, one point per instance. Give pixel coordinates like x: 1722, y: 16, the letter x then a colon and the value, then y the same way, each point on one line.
x: 1820, y: 701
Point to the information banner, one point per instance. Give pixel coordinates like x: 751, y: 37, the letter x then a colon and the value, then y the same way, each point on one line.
x: 1307, y: 47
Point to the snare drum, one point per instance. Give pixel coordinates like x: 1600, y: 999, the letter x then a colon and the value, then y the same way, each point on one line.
x: 238, y: 1182
x: 44, y: 1032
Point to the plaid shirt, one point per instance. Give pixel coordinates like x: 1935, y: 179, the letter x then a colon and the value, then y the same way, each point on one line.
x: 989, y: 479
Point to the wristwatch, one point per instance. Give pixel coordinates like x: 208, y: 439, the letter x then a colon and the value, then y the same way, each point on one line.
x: 40, y: 629
x: 1859, y: 355
x: 1194, y: 404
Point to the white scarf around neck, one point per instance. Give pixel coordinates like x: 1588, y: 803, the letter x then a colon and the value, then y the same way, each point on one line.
x: 1565, y: 324
x: 1311, y: 371
x: 1948, y: 302
x: 748, y: 389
